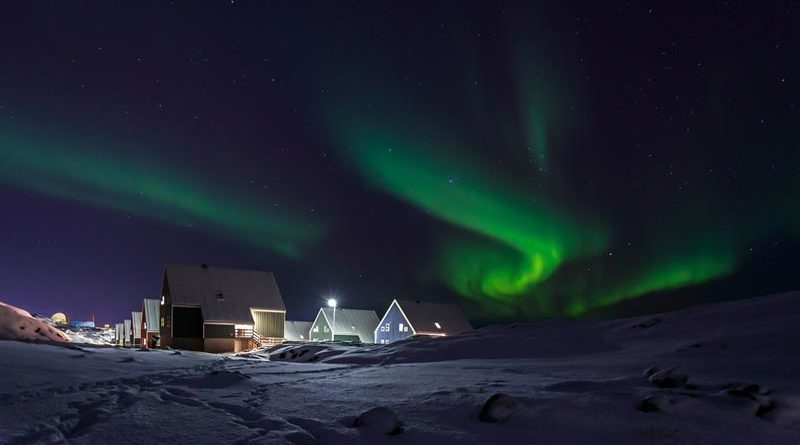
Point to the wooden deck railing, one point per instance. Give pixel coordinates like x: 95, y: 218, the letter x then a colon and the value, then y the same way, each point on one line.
x: 258, y: 339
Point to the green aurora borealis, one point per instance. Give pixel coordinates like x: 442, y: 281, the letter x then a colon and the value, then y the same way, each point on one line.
x: 522, y: 246
x: 517, y: 244
x: 520, y: 159
x: 79, y: 171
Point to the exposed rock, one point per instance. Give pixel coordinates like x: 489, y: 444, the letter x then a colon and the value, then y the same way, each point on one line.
x: 498, y: 408
x: 652, y: 404
x: 762, y: 403
x: 647, y: 324
x: 381, y: 420
x: 668, y: 378
x: 649, y: 371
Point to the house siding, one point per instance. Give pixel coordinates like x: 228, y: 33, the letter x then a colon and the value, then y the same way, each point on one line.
x: 393, y: 318
x: 320, y: 324
x: 165, y: 328
x: 269, y: 324
x: 217, y: 345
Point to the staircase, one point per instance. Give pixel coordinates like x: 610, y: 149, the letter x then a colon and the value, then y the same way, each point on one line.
x: 265, y: 342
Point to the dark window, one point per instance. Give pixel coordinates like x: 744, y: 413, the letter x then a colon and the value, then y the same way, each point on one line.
x: 187, y: 322
x: 219, y: 331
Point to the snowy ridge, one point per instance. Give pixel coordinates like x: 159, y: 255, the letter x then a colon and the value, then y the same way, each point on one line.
x: 719, y: 374
x: 19, y: 324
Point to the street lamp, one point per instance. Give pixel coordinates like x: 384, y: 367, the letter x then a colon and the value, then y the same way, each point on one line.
x: 332, y: 303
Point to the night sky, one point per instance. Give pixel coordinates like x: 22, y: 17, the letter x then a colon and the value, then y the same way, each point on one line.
x: 523, y: 160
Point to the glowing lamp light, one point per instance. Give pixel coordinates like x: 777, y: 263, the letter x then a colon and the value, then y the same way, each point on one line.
x: 332, y: 303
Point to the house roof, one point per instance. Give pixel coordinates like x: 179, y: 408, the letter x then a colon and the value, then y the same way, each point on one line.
x: 136, y: 322
x: 127, y: 328
x: 296, y: 330
x: 353, y: 322
x: 152, y: 314
x: 240, y: 291
x: 423, y: 316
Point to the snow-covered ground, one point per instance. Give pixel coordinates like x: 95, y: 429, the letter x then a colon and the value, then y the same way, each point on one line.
x: 549, y: 382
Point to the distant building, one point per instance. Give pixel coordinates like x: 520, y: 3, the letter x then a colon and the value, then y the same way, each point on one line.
x: 405, y: 318
x: 220, y: 310
x: 136, y: 329
x: 128, y: 333
x: 151, y: 322
x: 351, y: 325
x: 297, y: 330
x: 119, y: 334
x: 77, y: 324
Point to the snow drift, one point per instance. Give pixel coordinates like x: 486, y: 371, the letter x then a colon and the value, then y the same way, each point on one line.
x: 716, y: 374
x: 19, y: 324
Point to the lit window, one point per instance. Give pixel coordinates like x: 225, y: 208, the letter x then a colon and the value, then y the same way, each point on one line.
x: 162, y: 300
x: 301, y: 337
x: 438, y: 326
x: 353, y: 326
x: 325, y: 328
x: 316, y: 328
x: 400, y: 326
x: 387, y: 327
x: 405, y: 329
x: 162, y: 322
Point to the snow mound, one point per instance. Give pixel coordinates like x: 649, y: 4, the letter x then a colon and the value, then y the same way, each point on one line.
x: 498, y: 408
x: 308, y: 352
x: 380, y: 420
x: 18, y: 324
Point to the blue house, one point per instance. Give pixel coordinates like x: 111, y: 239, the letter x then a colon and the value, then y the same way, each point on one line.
x: 406, y: 318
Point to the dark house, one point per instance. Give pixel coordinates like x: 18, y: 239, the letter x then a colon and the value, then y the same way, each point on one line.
x: 405, y: 318
x: 219, y: 310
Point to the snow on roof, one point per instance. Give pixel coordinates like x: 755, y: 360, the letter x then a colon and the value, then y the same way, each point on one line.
x: 223, y: 294
x: 434, y: 318
x: 19, y: 324
x: 152, y: 314
x: 297, y: 330
x: 354, y: 322
x: 136, y: 321
x: 127, y: 328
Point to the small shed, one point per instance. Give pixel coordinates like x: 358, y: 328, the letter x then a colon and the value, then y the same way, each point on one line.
x: 351, y: 325
x: 405, y: 318
x: 297, y: 330
x: 151, y: 322
x: 136, y: 328
x: 128, y: 334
